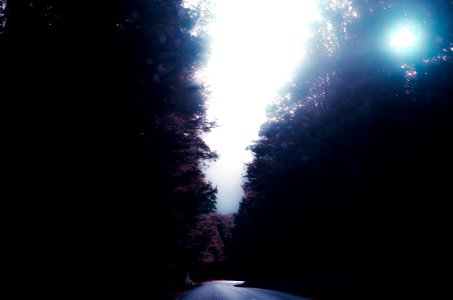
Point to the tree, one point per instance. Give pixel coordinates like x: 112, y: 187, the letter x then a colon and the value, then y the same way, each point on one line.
x: 210, y: 244
x: 350, y: 145
x: 107, y: 91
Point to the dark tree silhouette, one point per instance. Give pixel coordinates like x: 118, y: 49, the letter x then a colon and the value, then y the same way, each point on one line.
x: 111, y: 119
x: 349, y: 171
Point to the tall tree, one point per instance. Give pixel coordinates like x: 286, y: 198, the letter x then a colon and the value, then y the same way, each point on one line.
x: 350, y: 145
x: 113, y: 118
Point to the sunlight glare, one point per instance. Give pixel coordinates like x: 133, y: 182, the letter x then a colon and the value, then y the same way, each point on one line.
x: 403, y: 39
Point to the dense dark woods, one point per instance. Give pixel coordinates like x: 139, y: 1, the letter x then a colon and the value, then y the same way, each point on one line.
x: 347, y: 196
x: 109, y: 120
x: 348, y: 192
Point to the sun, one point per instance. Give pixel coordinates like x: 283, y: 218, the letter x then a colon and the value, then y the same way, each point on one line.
x: 403, y: 39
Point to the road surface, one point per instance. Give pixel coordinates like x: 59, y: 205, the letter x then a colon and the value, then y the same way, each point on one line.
x: 226, y: 290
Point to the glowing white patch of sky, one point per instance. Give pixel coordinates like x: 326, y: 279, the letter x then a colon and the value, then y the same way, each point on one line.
x: 256, y: 46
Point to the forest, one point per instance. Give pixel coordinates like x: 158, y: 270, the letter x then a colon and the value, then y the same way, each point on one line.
x: 346, y: 196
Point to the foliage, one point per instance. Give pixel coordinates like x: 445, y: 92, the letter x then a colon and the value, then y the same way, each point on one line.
x: 351, y: 145
x: 107, y: 90
x: 210, y: 245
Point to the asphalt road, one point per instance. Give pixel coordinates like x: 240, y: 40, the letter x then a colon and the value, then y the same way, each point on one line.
x: 226, y: 290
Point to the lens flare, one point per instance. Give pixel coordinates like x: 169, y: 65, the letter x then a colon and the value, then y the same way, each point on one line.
x: 404, y: 38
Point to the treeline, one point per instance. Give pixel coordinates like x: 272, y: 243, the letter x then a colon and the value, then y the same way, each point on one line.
x: 211, y: 246
x: 348, y: 193
x: 107, y: 121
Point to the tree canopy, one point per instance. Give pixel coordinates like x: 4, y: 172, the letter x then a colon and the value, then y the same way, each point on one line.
x: 112, y: 119
x: 349, y: 175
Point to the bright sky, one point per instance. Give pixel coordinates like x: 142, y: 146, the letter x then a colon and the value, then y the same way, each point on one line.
x: 256, y: 46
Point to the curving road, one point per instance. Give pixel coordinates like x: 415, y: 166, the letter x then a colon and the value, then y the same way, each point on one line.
x: 226, y: 290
